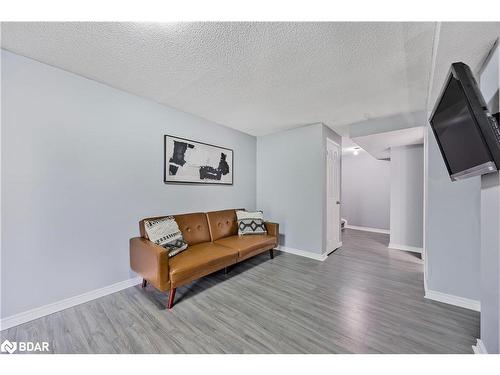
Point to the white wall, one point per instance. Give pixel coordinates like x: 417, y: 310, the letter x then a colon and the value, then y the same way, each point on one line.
x: 490, y: 223
x: 407, y: 201
x: 489, y: 81
x: 490, y: 262
x: 81, y: 164
x: 452, y: 228
x: 366, y: 191
x: 290, y: 168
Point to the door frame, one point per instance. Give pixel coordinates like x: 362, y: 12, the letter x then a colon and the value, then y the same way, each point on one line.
x: 339, y: 148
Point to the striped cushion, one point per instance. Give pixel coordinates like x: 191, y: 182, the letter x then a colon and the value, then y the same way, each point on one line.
x: 250, y: 222
x: 166, y: 233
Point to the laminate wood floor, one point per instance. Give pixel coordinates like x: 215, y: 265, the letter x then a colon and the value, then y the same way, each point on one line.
x: 364, y: 298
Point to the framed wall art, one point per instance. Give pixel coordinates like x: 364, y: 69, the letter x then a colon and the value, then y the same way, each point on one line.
x: 193, y: 162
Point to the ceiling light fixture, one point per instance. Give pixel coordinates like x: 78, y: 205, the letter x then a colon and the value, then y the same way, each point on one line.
x: 356, y: 151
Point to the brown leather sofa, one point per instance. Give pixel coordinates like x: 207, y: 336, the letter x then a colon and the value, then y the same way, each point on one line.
x: 213, y: 242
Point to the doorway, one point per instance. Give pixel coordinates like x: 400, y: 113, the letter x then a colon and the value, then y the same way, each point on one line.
x: 333, y: 234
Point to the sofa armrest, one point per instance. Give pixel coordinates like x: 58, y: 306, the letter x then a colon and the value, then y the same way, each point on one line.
x: 273, y: 229
x: 150, y: 261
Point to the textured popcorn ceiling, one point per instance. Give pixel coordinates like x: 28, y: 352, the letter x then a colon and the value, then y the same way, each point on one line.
x: 468, y: 42
x: 256, y: 77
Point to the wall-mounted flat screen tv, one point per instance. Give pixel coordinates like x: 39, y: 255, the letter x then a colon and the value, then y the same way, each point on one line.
x: 466, y: 132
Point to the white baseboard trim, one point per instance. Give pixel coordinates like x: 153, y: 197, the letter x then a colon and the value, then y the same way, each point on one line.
x: 479, y: 348
x: 302, y: 253
x: 328, y: 252
x: 413, y: 249
x: 367, y: 229
x: 38, y: 312
x: 453, y: 300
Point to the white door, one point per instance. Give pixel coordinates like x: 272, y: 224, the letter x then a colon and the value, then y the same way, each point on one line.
x: 333, y: 240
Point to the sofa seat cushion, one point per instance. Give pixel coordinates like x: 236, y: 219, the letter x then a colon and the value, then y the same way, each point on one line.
x: 248, y: 245
x: 199, y: 260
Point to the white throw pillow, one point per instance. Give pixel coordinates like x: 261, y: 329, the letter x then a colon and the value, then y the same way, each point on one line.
x: 250, y: 222
x: 166, y: 233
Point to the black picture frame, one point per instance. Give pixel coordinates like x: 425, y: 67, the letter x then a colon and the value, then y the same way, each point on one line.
x: 201, y: 182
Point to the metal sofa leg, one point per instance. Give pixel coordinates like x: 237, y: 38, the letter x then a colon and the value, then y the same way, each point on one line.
x: 144, y: 283
x: 171, y: 296
x: 271, y: 253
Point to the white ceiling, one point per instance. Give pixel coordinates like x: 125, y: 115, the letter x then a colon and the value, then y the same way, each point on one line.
x: 262, y: 77
x: 379, y: 145
x: 348, y: 146
x: 256, y: 77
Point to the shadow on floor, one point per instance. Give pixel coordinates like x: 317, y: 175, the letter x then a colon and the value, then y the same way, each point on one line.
x: 205, y: 283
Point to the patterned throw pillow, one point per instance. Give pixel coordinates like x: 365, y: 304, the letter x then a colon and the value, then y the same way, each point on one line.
x: 165, y: 232
x: 250, y: 222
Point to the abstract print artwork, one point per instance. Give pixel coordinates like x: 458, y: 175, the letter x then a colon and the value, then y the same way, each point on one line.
x: 189, y: 161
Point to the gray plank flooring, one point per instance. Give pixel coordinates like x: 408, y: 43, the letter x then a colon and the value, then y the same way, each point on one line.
x: 364, y: 298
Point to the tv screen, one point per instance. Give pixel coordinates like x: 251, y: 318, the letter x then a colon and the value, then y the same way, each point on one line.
x: 467, y: 134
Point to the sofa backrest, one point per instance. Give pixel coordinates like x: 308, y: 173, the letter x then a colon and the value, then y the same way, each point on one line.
x: 222, y: 223
x: 194, y: 227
